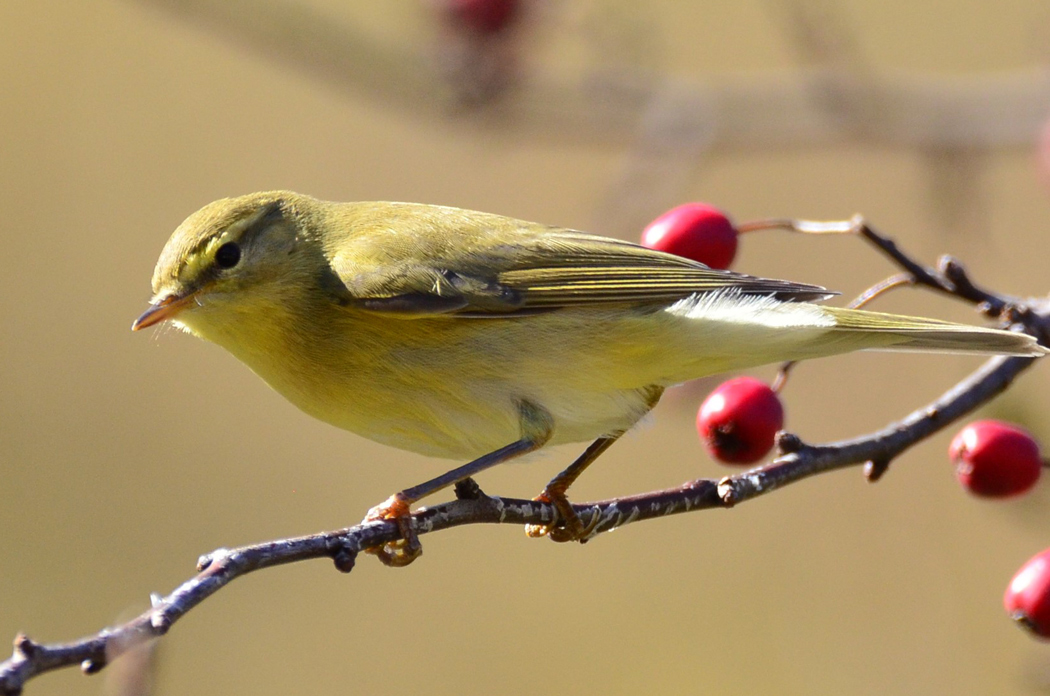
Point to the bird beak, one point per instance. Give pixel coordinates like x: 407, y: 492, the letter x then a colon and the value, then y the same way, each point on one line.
x: 162, y: 309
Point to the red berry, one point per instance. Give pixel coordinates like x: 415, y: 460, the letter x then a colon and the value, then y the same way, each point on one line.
x: 739, y: 420
x: 696, y: 231
x: 1027, y: 598
x: 995, y: 459
x: 483, y: 16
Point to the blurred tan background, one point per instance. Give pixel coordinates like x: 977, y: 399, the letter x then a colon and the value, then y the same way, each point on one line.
x: 123, y: 457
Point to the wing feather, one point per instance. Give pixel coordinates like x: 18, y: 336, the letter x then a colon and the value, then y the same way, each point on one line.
x: 427, y: 261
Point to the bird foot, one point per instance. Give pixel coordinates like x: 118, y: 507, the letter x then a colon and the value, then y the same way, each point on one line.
x: 566, y: 526
x: 401, y: 552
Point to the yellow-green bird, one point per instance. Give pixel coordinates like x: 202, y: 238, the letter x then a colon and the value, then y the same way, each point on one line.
x: 477, y: 337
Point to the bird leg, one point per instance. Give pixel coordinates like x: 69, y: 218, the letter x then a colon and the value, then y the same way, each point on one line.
x: 567, y: 525
x: 536, y: 425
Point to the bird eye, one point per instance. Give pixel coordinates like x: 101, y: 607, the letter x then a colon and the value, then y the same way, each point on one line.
x: 228, y: 255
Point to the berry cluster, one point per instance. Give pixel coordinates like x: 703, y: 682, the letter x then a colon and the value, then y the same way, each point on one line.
x: 739, y: 420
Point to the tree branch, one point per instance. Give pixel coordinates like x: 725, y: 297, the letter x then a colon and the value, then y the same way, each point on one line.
x: 796, y: 460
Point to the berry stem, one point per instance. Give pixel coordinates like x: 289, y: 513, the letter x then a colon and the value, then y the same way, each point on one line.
x: 782, y: 376
x: 881, y: 287
x: 801, y: 226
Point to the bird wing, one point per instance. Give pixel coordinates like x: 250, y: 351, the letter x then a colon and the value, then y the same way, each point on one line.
x: 489, y: 266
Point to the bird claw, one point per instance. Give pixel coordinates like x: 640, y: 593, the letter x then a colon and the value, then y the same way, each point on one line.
x: 566, y: 525
x: 400, y: 552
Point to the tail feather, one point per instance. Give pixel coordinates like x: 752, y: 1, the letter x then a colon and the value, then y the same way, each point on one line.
x: 891, y: 332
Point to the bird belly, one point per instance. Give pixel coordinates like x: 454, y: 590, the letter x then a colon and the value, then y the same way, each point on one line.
x: 455, y: 388
x: 464, y: 419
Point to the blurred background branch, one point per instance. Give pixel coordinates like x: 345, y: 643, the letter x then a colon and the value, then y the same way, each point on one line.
x: 669, y: 123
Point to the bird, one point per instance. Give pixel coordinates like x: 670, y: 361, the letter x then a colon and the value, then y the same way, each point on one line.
x: 481, y: 338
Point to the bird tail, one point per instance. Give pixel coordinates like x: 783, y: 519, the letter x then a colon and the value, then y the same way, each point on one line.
x: 892, y: 332
x: 729, y: 331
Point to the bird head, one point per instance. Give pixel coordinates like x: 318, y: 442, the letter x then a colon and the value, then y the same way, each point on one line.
x: 228, y: 258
